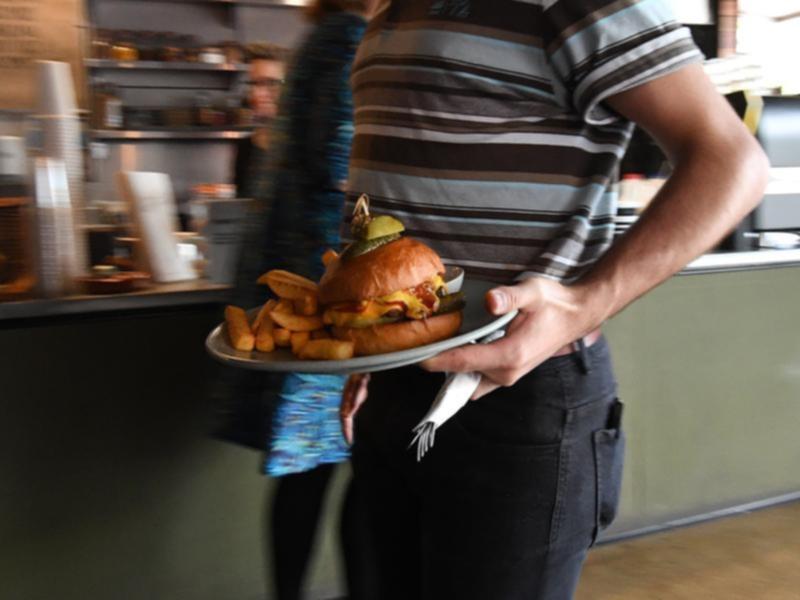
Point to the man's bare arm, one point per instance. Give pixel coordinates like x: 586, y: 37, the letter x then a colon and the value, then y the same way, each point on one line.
x: 719, y: 175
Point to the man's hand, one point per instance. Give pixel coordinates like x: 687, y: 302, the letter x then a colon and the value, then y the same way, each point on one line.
x: 353, y: 396
x: 551, y: 315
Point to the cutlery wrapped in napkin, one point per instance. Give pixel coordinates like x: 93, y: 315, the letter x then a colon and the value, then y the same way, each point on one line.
x: 454, y: 394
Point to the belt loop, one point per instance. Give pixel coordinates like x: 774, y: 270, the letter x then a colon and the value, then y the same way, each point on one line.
x: 582, y: 356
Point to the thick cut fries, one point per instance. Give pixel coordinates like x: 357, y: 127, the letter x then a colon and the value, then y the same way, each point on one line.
x: 268, y: 307
x: 288, y: 285
x: 306, y: 306
x: 296, y: 322
x: 298, y: 340
x: 292, y: 320
x: 264, y: 340
x: 241, y: 336
x: 327, y: 350
x: 287, y: 277
x: 283, y: 306
x: 283, y: 337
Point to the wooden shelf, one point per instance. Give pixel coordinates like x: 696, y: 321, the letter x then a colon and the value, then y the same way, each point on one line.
x: 131, y: 135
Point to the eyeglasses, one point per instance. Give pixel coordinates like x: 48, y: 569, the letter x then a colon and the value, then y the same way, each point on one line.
x: 269, y: 83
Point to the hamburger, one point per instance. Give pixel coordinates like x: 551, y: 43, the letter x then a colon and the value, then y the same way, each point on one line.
x: 386, y: 291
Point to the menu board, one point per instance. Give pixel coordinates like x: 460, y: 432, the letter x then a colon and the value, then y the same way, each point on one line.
x: 32, y: 30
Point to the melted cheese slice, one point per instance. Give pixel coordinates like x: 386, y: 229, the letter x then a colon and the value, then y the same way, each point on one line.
x: 368, y: 312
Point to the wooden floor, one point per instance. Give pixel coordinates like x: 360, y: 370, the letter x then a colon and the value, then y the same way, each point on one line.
x: 755, y: 556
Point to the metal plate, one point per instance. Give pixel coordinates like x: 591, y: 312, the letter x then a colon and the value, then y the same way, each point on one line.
x: 477, y: 324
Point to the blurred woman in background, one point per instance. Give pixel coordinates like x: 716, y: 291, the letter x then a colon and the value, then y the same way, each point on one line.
x: 298, y: 194
x: 266, y: 70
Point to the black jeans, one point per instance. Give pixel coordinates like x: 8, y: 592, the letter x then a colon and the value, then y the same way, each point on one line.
x: 512, y: 495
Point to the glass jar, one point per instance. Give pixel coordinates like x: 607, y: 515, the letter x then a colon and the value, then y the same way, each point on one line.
x: 148, y: 44
x: 204, y: 112
x: 172, y: 54
x: 107, y: 110
x: 101, y: 45
x: 234, y: 53
x: 124, y: 51
x: 211, y: 55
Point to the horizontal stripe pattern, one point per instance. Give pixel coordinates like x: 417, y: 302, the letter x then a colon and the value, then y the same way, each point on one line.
x: 481, y: 124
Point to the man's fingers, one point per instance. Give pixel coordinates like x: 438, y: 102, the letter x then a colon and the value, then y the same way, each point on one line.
x: 353, y: 396
x: 346, y: 413
x: 503, y: 299
x: 499, y: 301
x: 348, y: 397
x: 486, y: 386
x: 361, y: 392
x: 347, y: 430
x: 477, y: 357
x: 346, y: 409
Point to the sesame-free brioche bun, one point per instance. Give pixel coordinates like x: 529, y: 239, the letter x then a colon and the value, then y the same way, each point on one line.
x: 398, y: 265
x: 393, y: 337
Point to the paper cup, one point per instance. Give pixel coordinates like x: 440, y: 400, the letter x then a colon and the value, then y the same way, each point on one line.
x: 61, y: 140
x: 56, y: 89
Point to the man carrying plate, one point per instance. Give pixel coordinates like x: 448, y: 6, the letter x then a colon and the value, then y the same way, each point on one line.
x: 493, y: 129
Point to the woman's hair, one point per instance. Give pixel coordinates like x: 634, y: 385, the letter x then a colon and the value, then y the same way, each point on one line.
x: 319, y: 8
x: 265, y: 51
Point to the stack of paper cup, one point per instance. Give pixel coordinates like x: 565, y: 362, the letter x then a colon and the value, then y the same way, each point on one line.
x: 62, y: 139
x: 58, y: 258
x: 56, y: 89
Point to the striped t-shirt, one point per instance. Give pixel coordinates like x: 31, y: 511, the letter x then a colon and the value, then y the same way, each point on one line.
x: 481, y: 123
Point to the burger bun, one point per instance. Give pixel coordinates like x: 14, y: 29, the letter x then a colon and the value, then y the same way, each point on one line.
x: 393, y: 337
x: 398, y: 265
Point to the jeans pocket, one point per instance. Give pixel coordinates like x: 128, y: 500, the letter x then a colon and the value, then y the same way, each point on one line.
x: 495, y: 440
x: 609, y: 454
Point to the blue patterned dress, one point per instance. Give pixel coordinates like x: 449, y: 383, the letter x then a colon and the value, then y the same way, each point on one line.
x: 292, y: 224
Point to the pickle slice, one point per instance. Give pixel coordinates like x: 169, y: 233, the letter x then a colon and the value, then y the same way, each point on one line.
x: 451, y: 303
x: 363, y: 246
x: 383, y: 226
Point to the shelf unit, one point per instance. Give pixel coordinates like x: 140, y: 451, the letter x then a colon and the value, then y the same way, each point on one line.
x: 192, y: 155
x: 136, y: 77
x: 155, y: 65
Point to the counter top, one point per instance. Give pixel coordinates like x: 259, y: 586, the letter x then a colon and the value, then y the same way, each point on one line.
x: 195, y: 293
x: 743, y: 261
x: 158, y: 296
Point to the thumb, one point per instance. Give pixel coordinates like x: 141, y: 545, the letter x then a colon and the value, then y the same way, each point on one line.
x: 504, y: 299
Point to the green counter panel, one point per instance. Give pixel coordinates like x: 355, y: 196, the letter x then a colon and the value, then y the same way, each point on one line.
x: 709, y: 368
